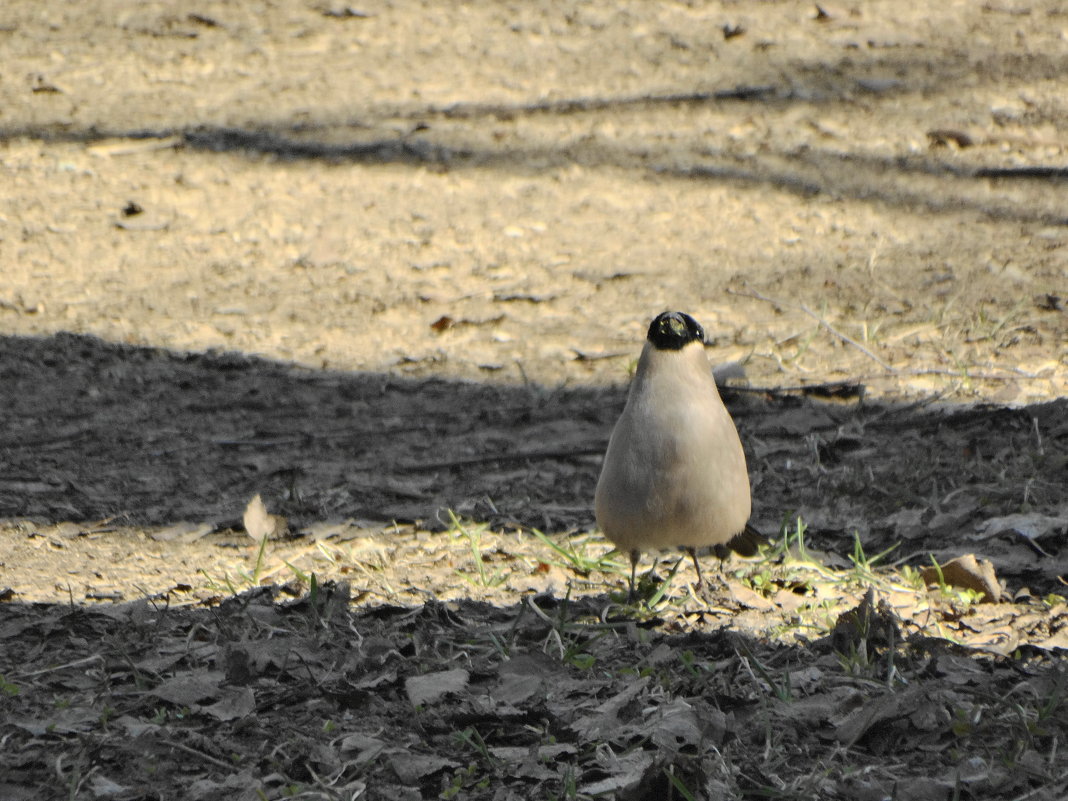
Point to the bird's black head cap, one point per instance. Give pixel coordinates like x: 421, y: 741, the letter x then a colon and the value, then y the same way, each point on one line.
x: 674, y: 330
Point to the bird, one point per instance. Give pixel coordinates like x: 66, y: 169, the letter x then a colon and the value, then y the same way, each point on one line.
x: 674, y: 474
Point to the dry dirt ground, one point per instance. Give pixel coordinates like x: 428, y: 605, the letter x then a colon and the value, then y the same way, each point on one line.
x: 388, y: 266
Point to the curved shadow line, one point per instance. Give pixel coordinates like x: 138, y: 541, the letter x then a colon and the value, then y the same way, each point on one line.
x: 411, y: 149
x: 285, y: 141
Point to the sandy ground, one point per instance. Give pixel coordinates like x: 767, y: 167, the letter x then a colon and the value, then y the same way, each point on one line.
x: 323, y: 187
x: 376, y: 262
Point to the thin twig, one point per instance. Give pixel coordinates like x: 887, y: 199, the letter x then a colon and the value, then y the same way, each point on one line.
x: 505, y: 457
x: 206, y: 757
x: 844, y: 337
x: 1032, y: 793
x: 836, y: 389
x: 1015, y: 373
x: 76, y: 663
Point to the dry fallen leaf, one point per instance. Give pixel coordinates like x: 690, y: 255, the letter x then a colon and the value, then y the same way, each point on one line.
x: 968, y: 573
x: 434, y: 686
x: 748, y: 597
x: 189, y: 688
x: 412, y: 768
x: 443, y: 323
x: 1030, y: 526
x: 236, y: 702
x: 260, y: 524
x: 623, y: 772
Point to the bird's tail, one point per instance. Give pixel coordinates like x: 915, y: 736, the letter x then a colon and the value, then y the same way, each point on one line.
x: 746, y: 543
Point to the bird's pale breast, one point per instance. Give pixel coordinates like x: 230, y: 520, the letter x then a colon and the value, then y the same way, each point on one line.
x: 675, y: 472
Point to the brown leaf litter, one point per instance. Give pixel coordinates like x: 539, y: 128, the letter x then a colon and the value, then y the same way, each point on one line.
x: 315, y: 698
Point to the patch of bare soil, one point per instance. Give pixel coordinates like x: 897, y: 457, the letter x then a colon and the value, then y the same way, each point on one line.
x: 387, y: 268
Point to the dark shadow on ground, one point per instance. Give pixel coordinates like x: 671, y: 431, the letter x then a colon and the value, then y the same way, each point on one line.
x: 91, y: 430
x: 314, y: 697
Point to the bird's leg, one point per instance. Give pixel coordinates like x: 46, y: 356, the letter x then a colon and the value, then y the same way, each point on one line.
x: 697, y: 564
x: 635, y: 555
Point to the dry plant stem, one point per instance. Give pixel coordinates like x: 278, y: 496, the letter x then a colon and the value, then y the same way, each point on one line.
x: 1037, y: 790
x: 77, y: 663
x: 1013, y: 372
x: 850, y: 389
x: 206, y: 757
x: 847, y: 339
x: 752, y: 293
x: 571, y: 453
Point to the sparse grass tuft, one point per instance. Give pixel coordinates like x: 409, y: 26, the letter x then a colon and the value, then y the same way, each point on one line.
x: 472, y: 533
x: 863, y: 565
x: 678, y: 784
x: 242, y: 580
x: 577, y: 555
